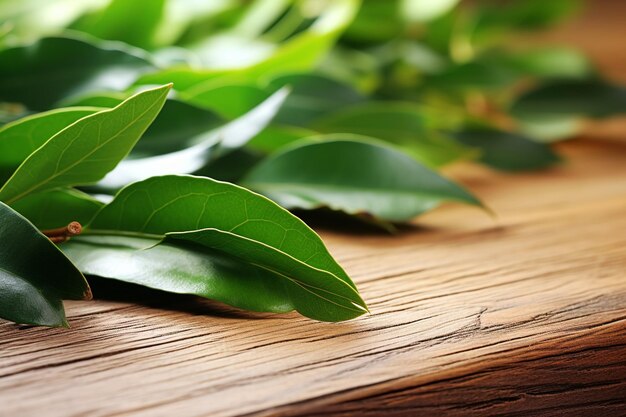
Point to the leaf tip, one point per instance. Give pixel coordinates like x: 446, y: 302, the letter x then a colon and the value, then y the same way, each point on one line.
x: 87, y: 294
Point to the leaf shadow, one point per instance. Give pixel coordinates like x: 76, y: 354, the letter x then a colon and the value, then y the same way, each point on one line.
x: 325, y: 219
x: 119, y: 291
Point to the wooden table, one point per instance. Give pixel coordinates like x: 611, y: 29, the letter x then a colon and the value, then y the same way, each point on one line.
x: 471, y: 316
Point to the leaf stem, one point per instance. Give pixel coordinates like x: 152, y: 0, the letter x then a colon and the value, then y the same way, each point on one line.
x: 62, y: 234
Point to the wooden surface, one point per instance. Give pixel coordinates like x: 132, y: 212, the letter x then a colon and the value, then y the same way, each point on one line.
x: 524, y: 315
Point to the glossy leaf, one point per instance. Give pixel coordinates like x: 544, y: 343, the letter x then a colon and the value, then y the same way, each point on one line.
x: 37, y: 74
x: 354, y: 175
x: 86, y: 150
x: 233, y: 220
x: 31, y: 291
x: 180, y: 268
x: 207, y: 146
x: 22, y: 137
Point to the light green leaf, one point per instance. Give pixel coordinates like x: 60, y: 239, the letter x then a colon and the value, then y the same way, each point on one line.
x: 45, y: 72
x: 355, y: 175
x: 85, y: 151
x: 22, y: 137
x: 552, y: 62
x: 29, y: 19
x: 132, y: 22
x: 424, y: 11
x: 34, y: 274
x: 299, y: 54
x: 230, y: 100
x: 550, y: 128
x: 235, y: 221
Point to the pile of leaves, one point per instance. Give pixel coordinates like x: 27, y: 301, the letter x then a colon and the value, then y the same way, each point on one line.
x: 162, y: 142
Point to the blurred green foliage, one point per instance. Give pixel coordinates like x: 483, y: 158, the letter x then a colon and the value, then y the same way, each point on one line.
x: 440, y: 80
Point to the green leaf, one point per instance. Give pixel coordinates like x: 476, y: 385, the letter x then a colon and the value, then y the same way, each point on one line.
x: 132, y: 22
x: 30, y: 19
x: 300, y: 53
x: 404, y: 124
x: 230, y: 101
x: 85, y: 151
x: 376, y: 21
x: 523, y: 15
x: 45, y: 72
x: 178, y: 126
x: 552, y: 62
x: 573, y: 98
x: 276, y: 136
x: 230, y: 219
x: 34, y: 274
x: 508, y: 151
x: 312, y: 97
x: 22, y: 137
x: 56, y: 208
x: 208, y: 146
x: 180, y: 268
x: 354, y: 175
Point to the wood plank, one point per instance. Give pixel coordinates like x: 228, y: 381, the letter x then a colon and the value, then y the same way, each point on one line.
x: 524, y: 314
x: 470, y: 315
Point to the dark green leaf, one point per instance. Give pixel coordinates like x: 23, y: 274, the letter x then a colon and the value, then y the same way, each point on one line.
x: 403, y: 124
x: 508, y: 151
x: 233, y: 220
x: 34, y: 274
x: 591, y: 98
x: 353, y: 175
x: 52, y: 69
x: 180, y: 268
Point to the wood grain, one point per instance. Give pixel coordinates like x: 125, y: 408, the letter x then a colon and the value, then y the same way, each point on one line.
x: 521, y: 315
